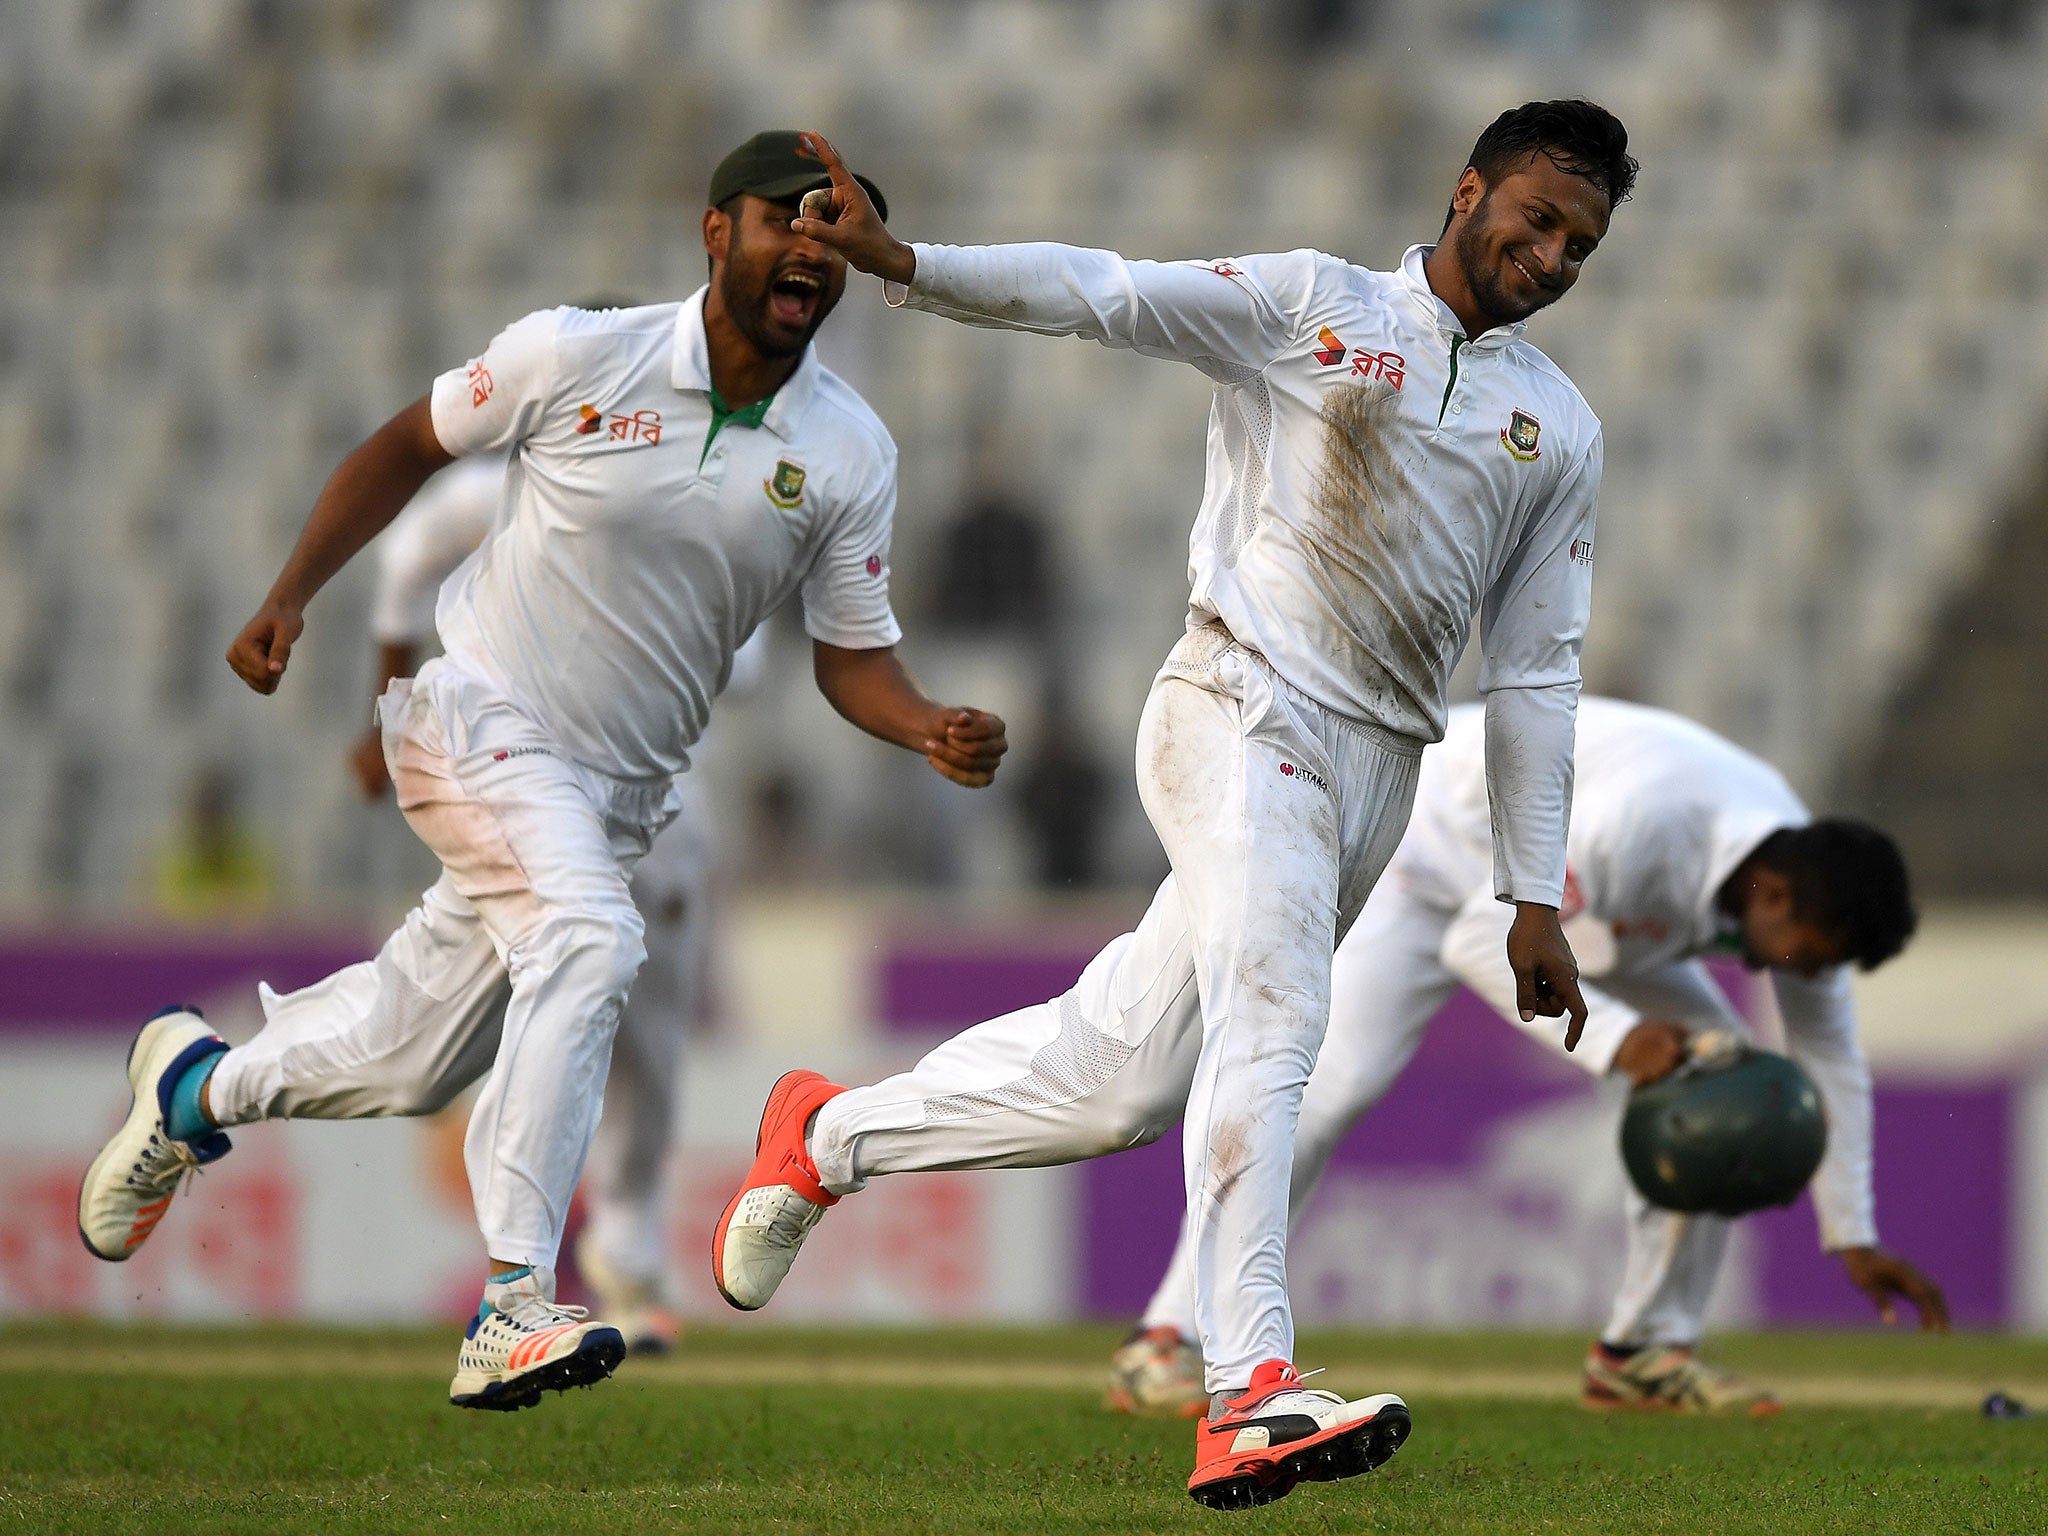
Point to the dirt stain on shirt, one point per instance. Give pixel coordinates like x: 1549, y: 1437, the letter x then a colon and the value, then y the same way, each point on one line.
x: 1367, y: 540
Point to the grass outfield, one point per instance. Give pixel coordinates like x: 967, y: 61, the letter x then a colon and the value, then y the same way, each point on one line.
x: 777, y: 1429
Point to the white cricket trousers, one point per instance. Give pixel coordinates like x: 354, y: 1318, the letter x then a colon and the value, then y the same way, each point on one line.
x: 1399, y: 964
x: 1277, y: 817
x: 517, y: 960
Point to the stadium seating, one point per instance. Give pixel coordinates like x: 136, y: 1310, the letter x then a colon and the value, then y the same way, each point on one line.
x: 234, y: 236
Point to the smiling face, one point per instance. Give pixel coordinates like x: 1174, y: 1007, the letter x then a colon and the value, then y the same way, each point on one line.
x: 777, y: 286
x: 1521, y: 241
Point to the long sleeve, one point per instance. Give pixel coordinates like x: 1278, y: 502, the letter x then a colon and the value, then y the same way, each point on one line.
x: 1821, y: 1035
x: 1531, y: 628
x: 1221, y: 316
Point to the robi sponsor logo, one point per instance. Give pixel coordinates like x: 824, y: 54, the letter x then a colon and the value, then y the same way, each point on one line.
x: 1297, y: 771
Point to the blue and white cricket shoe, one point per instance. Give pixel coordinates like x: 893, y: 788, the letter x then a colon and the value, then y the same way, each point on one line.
x: 526, y: 1346
x: 130, y: 1184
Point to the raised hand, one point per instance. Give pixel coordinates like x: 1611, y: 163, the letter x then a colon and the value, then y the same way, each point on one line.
x: 844, y: 218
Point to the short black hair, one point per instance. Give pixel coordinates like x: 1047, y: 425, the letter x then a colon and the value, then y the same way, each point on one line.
x: 1580, y: 138
x: 1849, y: 881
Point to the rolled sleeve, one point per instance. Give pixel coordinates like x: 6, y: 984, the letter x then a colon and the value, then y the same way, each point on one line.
x: 846, y: 591
x: 494, y: 402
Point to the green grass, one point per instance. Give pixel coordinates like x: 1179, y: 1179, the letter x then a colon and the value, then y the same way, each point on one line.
x: 168, y: 1431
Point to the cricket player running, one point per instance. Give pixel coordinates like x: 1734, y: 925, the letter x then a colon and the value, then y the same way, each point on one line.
x: 1681, y: 843
x: 623, y: 1250
x: 677, y: 472
x: 1387, y: 456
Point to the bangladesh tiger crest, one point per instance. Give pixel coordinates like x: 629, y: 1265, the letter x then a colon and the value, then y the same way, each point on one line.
x: 1520, y: 435
x: 786, y: 486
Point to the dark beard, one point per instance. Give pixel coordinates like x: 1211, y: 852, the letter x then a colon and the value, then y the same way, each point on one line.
x: 746, y: 311
x: 1483, y: 277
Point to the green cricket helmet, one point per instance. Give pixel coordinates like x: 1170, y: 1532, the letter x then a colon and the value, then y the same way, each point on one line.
x: 1733, y: 1130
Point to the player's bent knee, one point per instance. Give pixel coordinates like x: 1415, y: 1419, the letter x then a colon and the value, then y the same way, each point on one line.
x: 605, y: 950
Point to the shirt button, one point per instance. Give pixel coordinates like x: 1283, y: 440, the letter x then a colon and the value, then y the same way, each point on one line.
x: 1458, y: 410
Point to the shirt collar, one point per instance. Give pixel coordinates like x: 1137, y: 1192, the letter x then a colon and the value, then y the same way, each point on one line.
x: 691, y: 369
x: 1417, y: 283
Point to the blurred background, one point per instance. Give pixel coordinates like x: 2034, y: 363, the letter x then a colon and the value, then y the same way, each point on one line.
x: 235, y: 235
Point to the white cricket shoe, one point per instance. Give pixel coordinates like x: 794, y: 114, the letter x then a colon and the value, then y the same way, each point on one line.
x: 1158, y: 1373
x: 528, y: 1346
x: 637, y: 1308
x: 1257, y: 1446
x: 764, y: 1225
x: 130, y: 1184
x: 1669, y: 1379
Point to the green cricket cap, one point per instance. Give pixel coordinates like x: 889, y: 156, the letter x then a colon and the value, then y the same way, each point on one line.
x: 775, y: 165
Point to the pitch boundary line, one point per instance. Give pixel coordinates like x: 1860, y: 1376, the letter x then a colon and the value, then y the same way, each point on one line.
x: 1415, y: 1381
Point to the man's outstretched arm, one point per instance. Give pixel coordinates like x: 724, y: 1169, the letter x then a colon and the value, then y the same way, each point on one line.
x: 1220, y: 316
x: 874, y: 691
x: 363, y: 494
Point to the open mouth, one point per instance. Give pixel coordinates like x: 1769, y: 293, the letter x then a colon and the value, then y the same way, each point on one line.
x: 793, y: 296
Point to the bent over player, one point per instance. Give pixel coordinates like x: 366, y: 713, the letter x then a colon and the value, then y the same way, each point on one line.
x: 1681, y: 843
x: 623, y: 1251
x: 1387, y: 456
x: 677, y: 472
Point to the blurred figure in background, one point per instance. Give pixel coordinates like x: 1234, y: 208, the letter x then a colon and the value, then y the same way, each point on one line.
x: 1681, y: 845
x: 213, y: 868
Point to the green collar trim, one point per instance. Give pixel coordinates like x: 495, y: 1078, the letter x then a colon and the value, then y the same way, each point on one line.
x: 721, y: 413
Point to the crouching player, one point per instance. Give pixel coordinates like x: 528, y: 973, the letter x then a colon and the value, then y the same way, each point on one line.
x: 1680, y: 844
x: 678, y: 472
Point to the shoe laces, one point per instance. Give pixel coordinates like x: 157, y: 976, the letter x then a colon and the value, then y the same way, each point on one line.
x: 786, y: 1228
x: 534, y: 1313
x: 162, y: 1165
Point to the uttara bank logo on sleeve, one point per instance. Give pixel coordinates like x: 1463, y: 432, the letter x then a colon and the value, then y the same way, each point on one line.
x: 1520, y: 435
x: 786, y: 486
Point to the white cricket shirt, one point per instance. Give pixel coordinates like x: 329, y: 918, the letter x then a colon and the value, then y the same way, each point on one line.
x: 1375, y: 479
x: 1665, y: 810
x: 636, y: 549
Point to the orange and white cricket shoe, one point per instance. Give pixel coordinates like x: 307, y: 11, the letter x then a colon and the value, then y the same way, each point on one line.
x: 526, y: 1345
x: 1253, y: 1448
x: 757, y: 1238
x: 130, y: 1184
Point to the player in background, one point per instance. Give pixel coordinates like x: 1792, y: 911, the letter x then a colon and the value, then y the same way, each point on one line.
x: 1387, y: 457
x: 1681, y: 845
x: 623, y: 1251
x: 677, y: 472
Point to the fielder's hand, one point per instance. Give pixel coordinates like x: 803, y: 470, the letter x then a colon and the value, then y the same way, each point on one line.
x: 1546, y: 974
x: 1654, y: 1048
x: 1882, y: 1276
x: 845, y: 219
x: 969, y: 747
x: 366, y: 762
x: 264, y: 646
